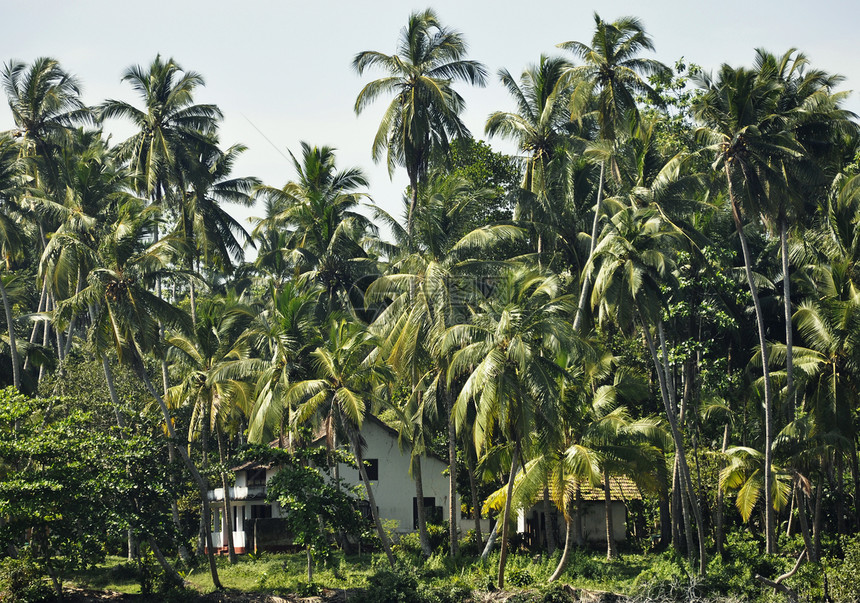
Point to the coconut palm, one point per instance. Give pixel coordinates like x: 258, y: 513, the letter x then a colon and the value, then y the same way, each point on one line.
x: 425, y: 112
x: 738, y: 110
x: 507, y: 356
x: 168, y: 126
x: 12, y: 238
x: 631, y: 264
x: 347, y: 380
x: 214, y: 364
x: 609, y: 80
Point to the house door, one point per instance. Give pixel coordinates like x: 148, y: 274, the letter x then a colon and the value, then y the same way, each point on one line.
x: 429, y: 508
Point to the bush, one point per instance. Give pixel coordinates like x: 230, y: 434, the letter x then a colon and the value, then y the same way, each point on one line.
x: 554, y: 593
x: 391, y: 586
x: 21, y: 582
x: 520, y: 577
x: 845, y: 577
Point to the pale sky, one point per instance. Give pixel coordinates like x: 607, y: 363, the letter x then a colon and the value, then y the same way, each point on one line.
x: 285, y: 66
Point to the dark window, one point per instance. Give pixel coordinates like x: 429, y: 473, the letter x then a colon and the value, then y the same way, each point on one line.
x: 372, y: 468
x: 238, y: 518
x: 261, y: 511
x: 429, y: 511
x: 256, y: 477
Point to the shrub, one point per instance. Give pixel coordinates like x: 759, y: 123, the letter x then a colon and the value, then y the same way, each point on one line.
x: 520, y: 577
x: 21, y: 582
x: 845, y: 577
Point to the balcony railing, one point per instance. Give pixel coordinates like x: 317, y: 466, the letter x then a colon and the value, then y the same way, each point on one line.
x: 240, y: 493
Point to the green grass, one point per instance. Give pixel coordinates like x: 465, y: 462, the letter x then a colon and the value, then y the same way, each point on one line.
x: 284, y: 573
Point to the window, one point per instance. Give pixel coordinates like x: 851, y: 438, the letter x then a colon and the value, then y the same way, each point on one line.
x: 256, y: 477
x: 239, y: 518
x: 430, y: 515
x: 372, y: 468
x: 261, y: 511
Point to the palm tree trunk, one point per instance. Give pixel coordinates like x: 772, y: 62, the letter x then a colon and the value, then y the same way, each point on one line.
x: 453, y: 507
x: 719, y: 536
x: 423, y: 537
x: 476, y: 507
x: 199, y: 481
x: 383, y: 537
x: 78, y: 287
x: 228, y: 507
x: 611, y: 552
x: 13, y: 347
x: 579, y: 537
x: 503, y: 554
x: 40, y: 308
x: 586, y: 281
x: 549, y: 525
x: 804, y: 524
x: 665, y: 519
x: 568, y: 545
x: 770, y: 531
x: 789, y: 343
x: 679, y: 443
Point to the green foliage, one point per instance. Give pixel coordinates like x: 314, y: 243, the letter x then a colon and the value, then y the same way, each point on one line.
x: 520, y: 577
x: 21, y: 582
x: 845, y: 575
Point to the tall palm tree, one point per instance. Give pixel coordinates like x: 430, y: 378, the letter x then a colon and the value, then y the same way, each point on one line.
x: 425, y: 112
x: 126, y: 317
x: 325, y: 232
x: 12, y: 238
x: 347, y: 379
x: 507, y: 356
x: 168, y: 126
x: 214, y: 363
x: 611, y: 76
x: 631, y: 264
x: 738, y: 110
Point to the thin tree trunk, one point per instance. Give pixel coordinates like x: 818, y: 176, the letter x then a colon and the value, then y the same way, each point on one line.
x: 491, y: 541
x: 228, y: 507
x: 165, y: 565
x: 13, y: 347
x: 579, y: 537
x: 611, y: 552
x: 199, y: 481
x: 665, y: 520
x: 423, y: 537
x: 770, y: 531
x: 789, y: 343
x: 719, y: 536
x: 78, y: 287
x: 804, y: 524
x: 453, y: 507
x: 476, y: 507
x: 816, y: 516
x: 568, y: 545
x: 310, y: 565
x: 548, y: 523
x: 40, y: 308
x: 586, y: 281
x: 503, y: 554
x: 679, y: 444
x: 677, y: 512
x: 383, y: 537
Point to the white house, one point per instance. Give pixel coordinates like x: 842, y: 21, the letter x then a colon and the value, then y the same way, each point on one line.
x: 255, y: 526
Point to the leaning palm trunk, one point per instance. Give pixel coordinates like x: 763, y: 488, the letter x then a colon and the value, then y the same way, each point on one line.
x: 383, y: 537
x: 503, y: 554
x: 473, y: 488
x: 453, y: 507
x: 770, y: 532
x: 13, y: 348
x: 679, y: 444
x: 199, y: 481
x: 568, y: 545
x: 586, y: 283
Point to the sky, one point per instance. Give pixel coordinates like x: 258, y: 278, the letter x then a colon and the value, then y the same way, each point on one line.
x: 281, y: 70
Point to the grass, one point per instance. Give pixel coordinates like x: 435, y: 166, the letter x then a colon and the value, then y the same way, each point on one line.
x: 285, y: 573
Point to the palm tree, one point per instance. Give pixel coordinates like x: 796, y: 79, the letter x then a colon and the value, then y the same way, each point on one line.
x: 347, y: 380
x: 424, y: 114
x: 508, y: 357
x: 326, y: 232
x: 169, y: 125
x: 127, y: 318
x: 631, y: 264
x: 214, y: 362
x: 46, y: 103
x: 611, y: 77
x: 12, y: 238
x: 738, y: 110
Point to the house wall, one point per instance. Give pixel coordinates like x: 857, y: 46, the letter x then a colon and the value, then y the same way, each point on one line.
x: 394, y: 491
x: 593, y: 521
